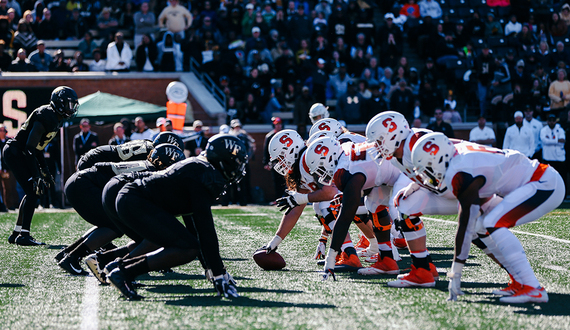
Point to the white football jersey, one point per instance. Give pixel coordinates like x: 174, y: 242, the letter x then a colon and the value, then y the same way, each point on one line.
x: 307, y: 180
x: 503, y: 170
x: 356, y: 159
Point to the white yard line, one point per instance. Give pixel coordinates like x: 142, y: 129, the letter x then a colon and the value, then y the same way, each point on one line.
x: 514, y: 231
x: 90, y: 304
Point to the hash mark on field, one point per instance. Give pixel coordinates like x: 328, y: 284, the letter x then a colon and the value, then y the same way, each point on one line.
x: 556, y: 268
x: 90, y: 304
x: 514, y: 231
x: 247, y: 215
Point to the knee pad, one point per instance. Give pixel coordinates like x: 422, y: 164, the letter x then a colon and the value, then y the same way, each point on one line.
x: 376, y: 220
x: 412, y: 228
x: 479, y: 243
x: 327, y: 222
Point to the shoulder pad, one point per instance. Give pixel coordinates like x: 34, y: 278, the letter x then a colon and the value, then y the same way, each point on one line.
x: 127, y: 167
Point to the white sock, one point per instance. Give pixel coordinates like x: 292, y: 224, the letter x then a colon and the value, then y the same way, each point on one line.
x: 18, y: 228
x: 373, y: 247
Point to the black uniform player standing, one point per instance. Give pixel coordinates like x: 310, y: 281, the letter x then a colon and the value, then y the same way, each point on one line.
x: 189, y: 188
x: 24, y: 156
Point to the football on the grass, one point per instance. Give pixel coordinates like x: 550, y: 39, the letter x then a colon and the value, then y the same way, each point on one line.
x: 271, y: 261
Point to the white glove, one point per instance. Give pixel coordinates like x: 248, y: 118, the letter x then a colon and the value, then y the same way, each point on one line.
x: 329, y: 265
x: 225, y: 288
x: 455, y: 281
x: 321, y: 248
x: 406, y: 192
x: 290, y: 202
x: 272, y: 246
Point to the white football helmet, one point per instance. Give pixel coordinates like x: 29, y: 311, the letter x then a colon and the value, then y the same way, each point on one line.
x: 431, y: 155
x: 327, y: 124
x: 322, y: 158
x: 386, y: 130
x: 320, y: 134
x: 284, y: 149
x: 318, y: 111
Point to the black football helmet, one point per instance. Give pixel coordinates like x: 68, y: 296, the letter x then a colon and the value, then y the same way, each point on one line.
x: 165, y: 155
x: 170, y: 138
x: 64, y: 101
x: 228, y: 155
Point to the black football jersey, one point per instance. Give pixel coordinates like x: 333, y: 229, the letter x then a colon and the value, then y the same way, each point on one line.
x: 130, y: 151
x: 101, y: 173
x: 171, y: 188
x: 51, y: 123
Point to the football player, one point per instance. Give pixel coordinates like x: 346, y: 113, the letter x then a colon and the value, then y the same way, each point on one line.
x: 189, y: 188
x: 318, y: 111
x: 132, y: 150
x: 475, y: 172
x: 24, y: 156
x: 84, y: 192
x: 355, y: 173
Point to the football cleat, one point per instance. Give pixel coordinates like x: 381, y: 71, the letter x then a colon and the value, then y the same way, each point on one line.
x: 513, y: 287
x: 527, y: 294
x: 400, y: 243
x: 118, y: 279
x: 13, y: 236
x: 433, y: 271
x: 71, y: 265
x: 372, y: 259
x: 59, y: 256
x: 347, y: 263
x: 112, y: 265
x: 366, y: 253
x: 27, y: 240
x: 93, y: 265
x: 385, y: 266
x: 362, y: 243
x: 416, y: 277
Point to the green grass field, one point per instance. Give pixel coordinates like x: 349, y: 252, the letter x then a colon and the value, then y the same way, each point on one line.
x: 35, y: 293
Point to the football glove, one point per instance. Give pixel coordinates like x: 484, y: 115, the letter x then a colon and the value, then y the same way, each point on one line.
x: 49, y: 179
x: 225, y: 288
x: 272, y: 245
x: 39, y: 185
x: 209, y: 275
x: 328, y: 273
x: 320, y: 253
x: 330, y: 261
x: 290, y: 202
x: 454, y: 277
x: 406, y: 192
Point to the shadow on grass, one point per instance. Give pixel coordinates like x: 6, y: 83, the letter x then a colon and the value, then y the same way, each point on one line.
x: 557, y: 305
x: 11, y: 285
x: 56, y: 247
x: 207, y: 301
x: 187, y: 289
x: 154, y: 276
x: 235, y: 259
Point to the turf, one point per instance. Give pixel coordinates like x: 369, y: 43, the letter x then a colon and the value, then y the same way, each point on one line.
x: 35, y: 293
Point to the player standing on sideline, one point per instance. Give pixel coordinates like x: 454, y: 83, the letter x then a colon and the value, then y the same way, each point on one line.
x: 24, y: 156
x: 149, y: 207
x: 475, y: 172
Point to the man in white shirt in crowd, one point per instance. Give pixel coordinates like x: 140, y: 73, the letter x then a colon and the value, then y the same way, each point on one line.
x: 553, y: 138
x: 141, y: 130
x: 519, y: 137
x: 482, y: 134
x: 535, y: 126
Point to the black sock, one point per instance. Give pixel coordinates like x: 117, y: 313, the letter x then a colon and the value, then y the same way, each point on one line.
x: 136, y: 266
x: 80, y: 251
x: 74, y: 245
x: 109, y: 246
x: 429, y: 259
x: 106, y: 257
x: 387, y: 253
x: 350, y: 250
x: 420, y: 262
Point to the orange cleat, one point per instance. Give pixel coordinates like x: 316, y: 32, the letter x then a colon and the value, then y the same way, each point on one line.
x: 348, y: 263
x: 417, y: 277
x: 385, y: 266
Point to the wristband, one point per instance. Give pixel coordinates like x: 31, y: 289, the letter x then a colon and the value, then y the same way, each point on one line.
x: 331, y: 259
x: 275, y: 242
x: 301, y: 198
x: 456, y: 268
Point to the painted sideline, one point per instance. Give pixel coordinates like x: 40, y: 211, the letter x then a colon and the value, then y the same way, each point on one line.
x: 90, y: 304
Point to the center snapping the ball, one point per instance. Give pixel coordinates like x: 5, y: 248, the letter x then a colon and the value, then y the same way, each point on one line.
x: 271, y: 261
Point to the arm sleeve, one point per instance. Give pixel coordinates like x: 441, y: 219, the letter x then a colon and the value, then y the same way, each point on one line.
x: 34, y: 158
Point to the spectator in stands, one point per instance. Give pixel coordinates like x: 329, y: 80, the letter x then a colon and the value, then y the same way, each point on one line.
x: 260, y: 23
x: 519, y: 137
x: 106, y: 24
x: 119, y: 137
x: 375, y: 104
x: 240, y: 192
x: 303, y: 103
x: 387, y: 78
x: 403, y: 100
x: 483, y: 70
x: 430, y: 8
x: 119, y: 55
x: 391, y: 41
x: 376, y: 72
x: 47, y: 28
x: 348, y: 106
x: 146, y: 54
x: 39, y: 58
x: 75, y: 27
x: 97, y: 64
x: 87, y: 45
x: 521, y: 78
x: 5, y: 58
x: 557, y: 27
x: 367, y: 76
x: 559, y: 92
x: 411, y: 10
x: 6, y: 33
x: 127, y: 18
x: 339, y: 82
x: 12, y: 19
x: 446, y: 50
x: 338, y: 24
x: 513, y: 27
x: 401, y: 74
x: 21, y: 63
x: 438, y: 125
x: 247, y: 21
x: 252, y: 42
x: 430, y: 98
x: 84, y: 140
x: 4, y: 7
x: 303, y: 52
x: 526, y: 39
x: 13, y: 4
x: 24, y: 37
x: 145, y: 22
x: 535, y: 126
x: 320, y: 80
x: 78, y: 64
x: 59, y: 63
x: 169, y: 57
x: 565, y: 14
x: 553, y: 138
x: 557, y: 56
x: 250, y: 110
x: 342, y: 49
x: 450, y: 115
x: 141, y: 130
x: 196, y: 146
x: 162, y: 125
x: 482, y: 134
x: 300, y: 26
x: 475, y: 27
x: 493, y: 27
